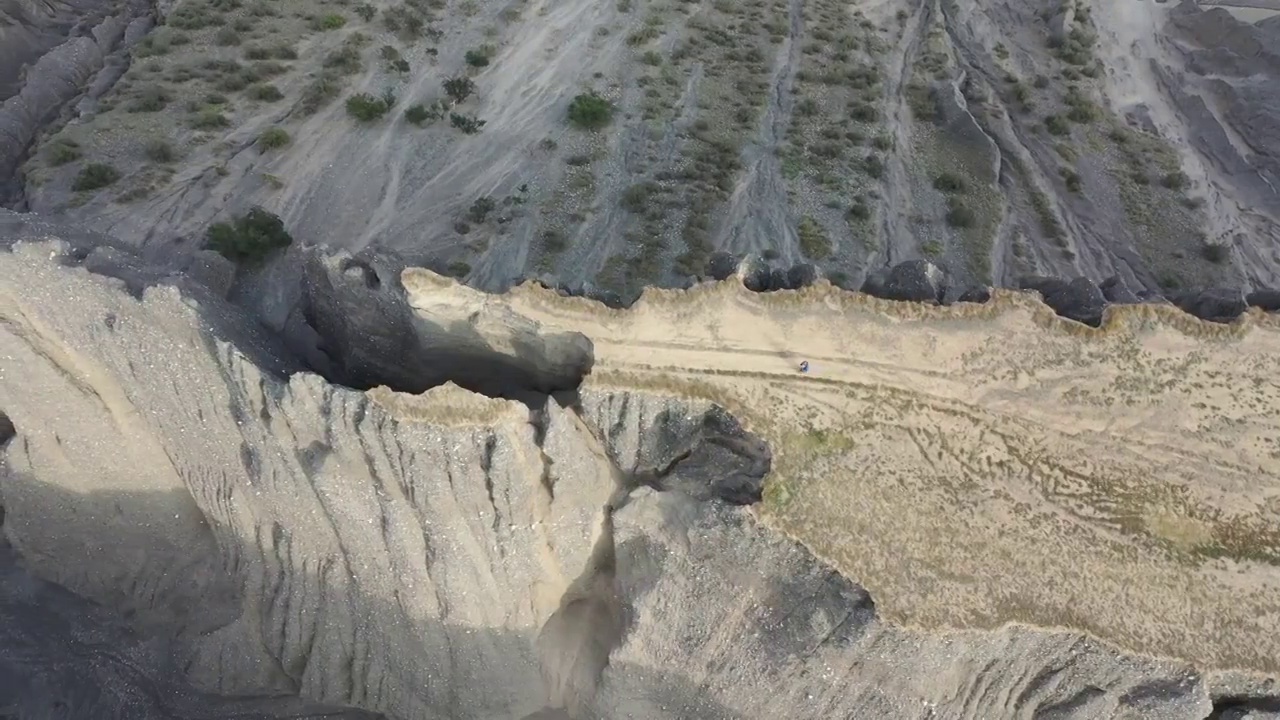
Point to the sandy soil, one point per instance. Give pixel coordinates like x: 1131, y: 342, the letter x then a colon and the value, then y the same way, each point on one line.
x: 980, y: 465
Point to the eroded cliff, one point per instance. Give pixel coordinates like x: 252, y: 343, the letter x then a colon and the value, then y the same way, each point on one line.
x: 639, y: 546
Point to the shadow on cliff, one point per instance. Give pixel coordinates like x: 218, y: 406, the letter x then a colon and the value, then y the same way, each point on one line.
x: 350, y: 320
x: 65, y: 656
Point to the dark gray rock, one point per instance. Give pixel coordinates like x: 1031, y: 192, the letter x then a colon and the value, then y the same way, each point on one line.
x: 1079, y: 299
x: 802, y: 275
x: 721, y: 265
x: 978, y: 294
x: 754, y: 273
x: 1221, y: 305
x: 1117, y: 292
x: 875, y: 282
x: 1267, y: 300
x: 778, y: 279
x: 915, y: 281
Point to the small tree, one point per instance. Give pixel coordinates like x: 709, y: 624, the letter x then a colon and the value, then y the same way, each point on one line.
x: 590, y: 111
x: 468, y: 124
x: 250, y: 238
x: 459, y: 89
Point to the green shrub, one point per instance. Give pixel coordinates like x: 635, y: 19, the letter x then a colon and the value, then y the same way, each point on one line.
x: 873, y: 166
x: 332, y: 21
x: 859, y: 211
x: 209, y: 119
x: 864, y: 112
x: 1057, y: 125
x: 476, y: 58
x: 921, y: 101
x: 949, y: 183
x: 275, y: 52
x: 265, y: 92
x: 345, y: 60
x: 959, y: 215
x: 1072, y: 179
x: 366, y: 12
x: 1176, y: 180
x: 153, y: 98
x: 458, y: 89
x: 161, y: 152
x: 273, y: 138
x: 418, y: 114
x: 590, y: 111
x: 813, y: 239
x: 95, y: 176
x: 468, y: 124
x: 320, y: 92
x: 480, y: 209
x: 62, y: 151
x: 366, y: 108
x: 248, y: 239
x: 635, y: 199
x: 1215, y: 252
x: 226, y: 37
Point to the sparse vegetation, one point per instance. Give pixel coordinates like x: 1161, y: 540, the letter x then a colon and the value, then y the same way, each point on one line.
x: 814, y: 242
x: 421, y: 114
x: 1057, y: 125
x: 960, y: 215
x: 161, y: 151
x: 1175, y: 180
x: 468, y: 124
x: 95, y: 176
x: 320, y: 92
x: 265, y: 92
x: 480, y: 57
x: 226, y: 36
x: 589, y: 111
x: 1215, y: 252
x: 62, y: 151
x: 273, y: 138
x: 331, y: 21
x: 367, y: 108
x: 152, y: 98
x: 921, y: 101
x: 209, y: 119
x: 1072, y: 179
x: 948, y: 182
x: 250, y: 238
x: 459, y: 89
x: 480, y: 209
x: 275, y: 52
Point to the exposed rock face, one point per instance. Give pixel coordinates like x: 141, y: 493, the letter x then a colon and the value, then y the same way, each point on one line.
x: 1079, y: 299
x: 1213, y: 304
x: 411, y: 555
x: 1115, y: 291
x: 911, y: 281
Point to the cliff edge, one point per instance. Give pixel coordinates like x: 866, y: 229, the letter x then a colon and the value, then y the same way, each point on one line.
x: 964, y: 511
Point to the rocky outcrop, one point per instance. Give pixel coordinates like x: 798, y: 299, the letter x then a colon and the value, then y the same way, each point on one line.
x: 448, y: 555
x: 1079, y: 299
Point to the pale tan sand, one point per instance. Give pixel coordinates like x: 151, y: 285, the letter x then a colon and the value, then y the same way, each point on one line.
x: 977, y: 465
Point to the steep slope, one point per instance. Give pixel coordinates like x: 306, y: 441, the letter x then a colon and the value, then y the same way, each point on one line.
x: 451, y: 555
x: 999, y: 139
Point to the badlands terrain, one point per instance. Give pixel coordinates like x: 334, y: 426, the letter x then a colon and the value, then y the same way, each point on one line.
x: 974, y: 511
x: 438, y: 359
x: 998, y: 139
